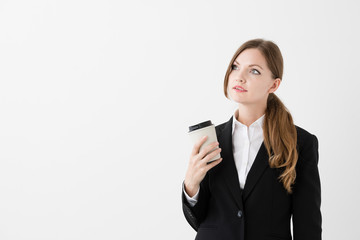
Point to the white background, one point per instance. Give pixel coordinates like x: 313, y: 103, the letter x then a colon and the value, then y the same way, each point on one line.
x: 96, y: 98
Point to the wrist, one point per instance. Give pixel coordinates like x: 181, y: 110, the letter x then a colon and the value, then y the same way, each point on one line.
x: 191, y: 189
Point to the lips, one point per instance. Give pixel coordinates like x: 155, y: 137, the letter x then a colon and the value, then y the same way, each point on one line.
x: 240, y: 89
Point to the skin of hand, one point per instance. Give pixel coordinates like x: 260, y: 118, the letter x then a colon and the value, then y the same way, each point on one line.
x: 198, y: 166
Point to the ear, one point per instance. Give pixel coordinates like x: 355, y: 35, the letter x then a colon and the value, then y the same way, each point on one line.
x: 275, y: 85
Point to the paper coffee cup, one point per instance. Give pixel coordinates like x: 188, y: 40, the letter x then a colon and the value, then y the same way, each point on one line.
x: 197, y: 131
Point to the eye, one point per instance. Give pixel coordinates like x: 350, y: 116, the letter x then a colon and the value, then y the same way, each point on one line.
x: 254, y: 71
x: 233, y: 67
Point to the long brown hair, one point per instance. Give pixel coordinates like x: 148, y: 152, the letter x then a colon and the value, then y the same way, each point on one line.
x: 280, y: 136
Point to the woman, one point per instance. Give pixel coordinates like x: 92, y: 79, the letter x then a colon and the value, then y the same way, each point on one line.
x: 268, y: 172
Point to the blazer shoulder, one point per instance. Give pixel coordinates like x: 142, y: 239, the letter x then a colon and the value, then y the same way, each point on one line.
x: 307, y: 143
x: 304, y: 136
x: 302, y: 130
x: 220, y: 127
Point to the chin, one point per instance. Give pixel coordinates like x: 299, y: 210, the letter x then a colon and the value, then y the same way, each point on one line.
x: 240, y: 101
x: 237, y: 98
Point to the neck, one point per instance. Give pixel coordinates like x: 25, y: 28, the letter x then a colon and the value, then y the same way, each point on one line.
x: 247, y: 114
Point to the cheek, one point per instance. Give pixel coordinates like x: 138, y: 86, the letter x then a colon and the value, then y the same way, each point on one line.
x: 268, y: 85
x: 259, y: 87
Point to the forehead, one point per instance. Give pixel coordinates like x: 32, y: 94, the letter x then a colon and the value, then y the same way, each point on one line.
x: 251, y: 56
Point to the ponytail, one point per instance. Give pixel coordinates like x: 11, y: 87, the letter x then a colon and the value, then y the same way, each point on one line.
x: 280, y: 139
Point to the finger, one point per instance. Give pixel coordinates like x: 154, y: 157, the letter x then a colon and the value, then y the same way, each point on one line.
x: 213, y: 164
x: 206, y: 150
x: 211, y: 155
x: 197, y: 146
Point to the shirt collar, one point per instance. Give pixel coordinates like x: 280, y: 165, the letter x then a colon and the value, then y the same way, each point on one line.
x: 258, y: 123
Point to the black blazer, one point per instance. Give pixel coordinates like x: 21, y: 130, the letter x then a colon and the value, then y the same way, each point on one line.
x: 263, y: 209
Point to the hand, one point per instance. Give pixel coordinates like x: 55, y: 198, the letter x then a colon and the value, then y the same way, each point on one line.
x: 198, y: 165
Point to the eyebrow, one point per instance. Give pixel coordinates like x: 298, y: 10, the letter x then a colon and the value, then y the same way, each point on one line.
x: 251, y: 65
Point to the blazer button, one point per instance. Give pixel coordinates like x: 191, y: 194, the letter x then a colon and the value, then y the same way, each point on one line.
x: 239, y: 214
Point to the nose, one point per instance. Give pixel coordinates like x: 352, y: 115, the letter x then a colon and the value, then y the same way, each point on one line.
x: 239, y: 76
x: 240, y: 79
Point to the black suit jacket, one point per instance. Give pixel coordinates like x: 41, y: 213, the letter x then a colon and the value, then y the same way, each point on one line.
x: 263, y: 209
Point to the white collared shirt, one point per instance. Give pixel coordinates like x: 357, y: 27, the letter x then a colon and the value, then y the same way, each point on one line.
x: 246, y: 144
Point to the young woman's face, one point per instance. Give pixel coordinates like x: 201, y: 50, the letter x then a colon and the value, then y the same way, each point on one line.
x: 250, y: 71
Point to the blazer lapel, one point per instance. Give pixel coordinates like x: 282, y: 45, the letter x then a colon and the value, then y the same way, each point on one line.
x: 230, y: 173
x: 256, y: 170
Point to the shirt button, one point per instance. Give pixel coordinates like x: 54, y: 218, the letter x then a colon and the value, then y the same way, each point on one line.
x: 239, y: 214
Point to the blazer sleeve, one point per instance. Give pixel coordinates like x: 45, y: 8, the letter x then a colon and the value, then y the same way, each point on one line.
x: 306, y: 197
x: 196, y: 214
